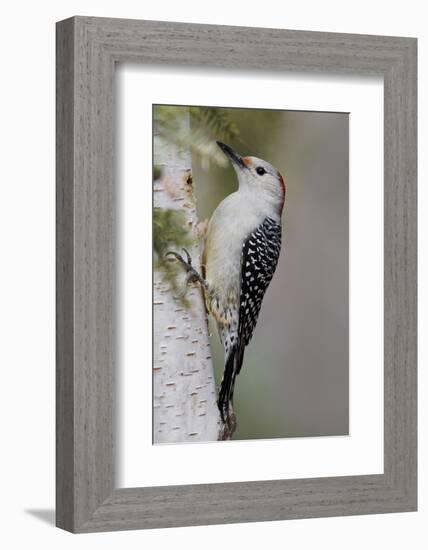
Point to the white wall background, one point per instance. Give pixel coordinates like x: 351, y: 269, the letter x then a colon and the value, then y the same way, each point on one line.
x: 27, y: 273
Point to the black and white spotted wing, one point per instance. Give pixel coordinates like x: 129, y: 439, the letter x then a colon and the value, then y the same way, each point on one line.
x: 260, y: 253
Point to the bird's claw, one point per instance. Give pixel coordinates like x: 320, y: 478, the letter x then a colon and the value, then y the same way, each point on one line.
x: 187, y: 263
x: 188, y: 256
x: 192, y: 275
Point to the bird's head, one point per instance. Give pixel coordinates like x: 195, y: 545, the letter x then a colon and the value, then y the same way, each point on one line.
x: 257, y: 175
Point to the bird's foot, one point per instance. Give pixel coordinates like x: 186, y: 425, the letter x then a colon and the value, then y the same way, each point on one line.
x: 192, y: 275
x: 229, y: 424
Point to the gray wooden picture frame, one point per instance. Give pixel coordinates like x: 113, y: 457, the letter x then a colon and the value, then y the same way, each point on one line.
x: 87, y: 50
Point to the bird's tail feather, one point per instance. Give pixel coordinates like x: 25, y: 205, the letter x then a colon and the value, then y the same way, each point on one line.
x: 231, y: 369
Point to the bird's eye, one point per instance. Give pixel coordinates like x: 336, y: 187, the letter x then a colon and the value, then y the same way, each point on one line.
x: 260, y: 170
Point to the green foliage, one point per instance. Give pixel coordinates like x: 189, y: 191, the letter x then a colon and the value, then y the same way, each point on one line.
x: 206, y: 126
x: 170, y: 233
x: 157, y: 172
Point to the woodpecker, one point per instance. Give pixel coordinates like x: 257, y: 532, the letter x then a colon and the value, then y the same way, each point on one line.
x: 242, y: 247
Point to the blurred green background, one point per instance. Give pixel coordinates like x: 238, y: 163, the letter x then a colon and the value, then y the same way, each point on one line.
x: 294, y: 380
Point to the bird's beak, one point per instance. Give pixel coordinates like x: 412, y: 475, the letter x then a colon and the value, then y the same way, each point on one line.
x: 234, y: 158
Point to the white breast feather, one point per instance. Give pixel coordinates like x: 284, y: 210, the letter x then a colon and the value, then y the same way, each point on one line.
x: 233, y: 220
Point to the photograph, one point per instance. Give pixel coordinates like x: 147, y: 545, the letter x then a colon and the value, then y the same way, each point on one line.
x: 250, y: 273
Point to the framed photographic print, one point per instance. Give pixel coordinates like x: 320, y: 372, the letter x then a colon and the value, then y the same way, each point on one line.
x: 236, y: 274
x: 256, y: 273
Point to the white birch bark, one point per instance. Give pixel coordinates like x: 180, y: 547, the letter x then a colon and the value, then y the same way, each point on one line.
x: 184, y: 392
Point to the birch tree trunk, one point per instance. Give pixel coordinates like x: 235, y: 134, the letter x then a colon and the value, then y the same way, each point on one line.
x: 184, y: 392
